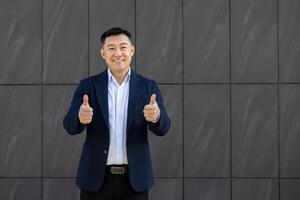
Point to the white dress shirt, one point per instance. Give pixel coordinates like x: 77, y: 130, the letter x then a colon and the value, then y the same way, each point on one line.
x: 117, y: 116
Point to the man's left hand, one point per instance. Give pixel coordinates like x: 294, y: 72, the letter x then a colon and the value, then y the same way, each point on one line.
x: 151, y: 110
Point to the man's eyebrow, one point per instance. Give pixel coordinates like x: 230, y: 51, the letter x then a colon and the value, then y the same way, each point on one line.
x: 113, y: 45
x: 124, y: 43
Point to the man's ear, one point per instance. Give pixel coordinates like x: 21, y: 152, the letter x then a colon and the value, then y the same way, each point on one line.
x: 102, y: 53
x: 132, y: 50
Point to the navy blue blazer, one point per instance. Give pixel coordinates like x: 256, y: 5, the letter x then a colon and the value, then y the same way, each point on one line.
x: 93, y: 158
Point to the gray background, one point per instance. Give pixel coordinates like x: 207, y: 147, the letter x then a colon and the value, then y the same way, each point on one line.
x: 229, y: 71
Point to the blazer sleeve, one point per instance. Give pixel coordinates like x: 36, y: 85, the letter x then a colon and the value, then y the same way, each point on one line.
x: 71, y: 121
x: 162, y: 126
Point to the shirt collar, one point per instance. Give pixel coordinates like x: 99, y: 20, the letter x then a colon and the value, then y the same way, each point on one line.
x: 112, y: 78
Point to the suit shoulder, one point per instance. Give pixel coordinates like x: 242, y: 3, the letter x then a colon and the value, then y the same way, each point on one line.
x: 85, y: 82
x: 146, y: 80
x: 90, y: 79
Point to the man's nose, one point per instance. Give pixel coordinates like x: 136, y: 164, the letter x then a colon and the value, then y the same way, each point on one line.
x: 118, y: 52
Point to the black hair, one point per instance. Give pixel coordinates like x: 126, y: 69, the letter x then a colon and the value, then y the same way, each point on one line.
x: 115, y: 31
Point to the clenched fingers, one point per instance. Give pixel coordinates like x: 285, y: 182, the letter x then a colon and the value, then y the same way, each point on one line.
x: 85, y: 114
x: 151, y: 112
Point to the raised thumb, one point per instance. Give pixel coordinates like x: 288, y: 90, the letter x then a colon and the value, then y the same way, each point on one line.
x: 85, y: 100
x: 153, y: 99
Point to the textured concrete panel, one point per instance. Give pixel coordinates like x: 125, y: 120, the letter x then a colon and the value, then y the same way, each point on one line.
x: 61, y: 152
x: 206, y: 131
x: 20, y: 41
x: 289, y: 41
x: 289, y: 189
x: 208, y: 189
x: 65, y: 41
x: 20, y: 189
x: 167, y: 189
x: 104, y: 15
x: 20, y: 131
x: 254, y: 131
x: 159, y: 40
x: 258, y: 189
x: 60, y: 189
x: 253, y: 41
x: 206, y: 41
x: 289, y: 99
x: 167, y: 152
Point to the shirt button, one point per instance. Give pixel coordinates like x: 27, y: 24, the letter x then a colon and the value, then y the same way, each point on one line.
x: 105, y: 151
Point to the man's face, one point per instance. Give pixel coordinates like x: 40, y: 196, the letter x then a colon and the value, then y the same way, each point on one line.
x: 117, y: 51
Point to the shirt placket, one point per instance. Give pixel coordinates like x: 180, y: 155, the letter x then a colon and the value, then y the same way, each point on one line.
x: 117, y: 125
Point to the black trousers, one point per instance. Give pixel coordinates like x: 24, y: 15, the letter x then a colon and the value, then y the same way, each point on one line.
x: 115, y: 187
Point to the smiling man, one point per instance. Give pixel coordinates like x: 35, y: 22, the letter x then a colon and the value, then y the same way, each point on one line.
x: 116, y: 107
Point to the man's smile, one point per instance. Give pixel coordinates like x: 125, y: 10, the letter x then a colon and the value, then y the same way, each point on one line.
x: 119, y: 61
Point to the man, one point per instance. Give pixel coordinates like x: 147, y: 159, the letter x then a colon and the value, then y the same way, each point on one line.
x: 116, y: 106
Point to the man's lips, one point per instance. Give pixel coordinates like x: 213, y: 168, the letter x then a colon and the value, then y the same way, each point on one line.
x: 119, y: 61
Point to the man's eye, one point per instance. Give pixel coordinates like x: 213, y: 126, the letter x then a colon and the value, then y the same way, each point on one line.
x: 123, y: 48
x: 110, y: 49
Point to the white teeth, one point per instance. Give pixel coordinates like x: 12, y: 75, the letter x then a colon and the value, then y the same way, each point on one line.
x: 119, y: 61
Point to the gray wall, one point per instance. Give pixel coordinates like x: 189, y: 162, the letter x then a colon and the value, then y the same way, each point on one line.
x: 228, y: 70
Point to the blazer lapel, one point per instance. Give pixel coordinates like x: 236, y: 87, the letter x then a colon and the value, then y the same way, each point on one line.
x: 132, y: 101
x: 101, y: 93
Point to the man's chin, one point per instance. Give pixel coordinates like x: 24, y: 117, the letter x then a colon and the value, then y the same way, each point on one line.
x: 119, y: 68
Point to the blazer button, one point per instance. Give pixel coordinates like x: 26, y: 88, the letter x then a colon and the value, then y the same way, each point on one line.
x: 105, y: 151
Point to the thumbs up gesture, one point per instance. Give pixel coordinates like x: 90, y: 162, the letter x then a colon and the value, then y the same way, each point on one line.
x: 151, y: 110
x: 85, y: 113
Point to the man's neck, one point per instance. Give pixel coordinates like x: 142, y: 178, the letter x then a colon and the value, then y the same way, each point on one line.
x: 120, y: 77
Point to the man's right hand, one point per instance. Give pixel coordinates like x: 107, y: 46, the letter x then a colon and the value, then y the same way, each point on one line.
x: 85, y: 113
